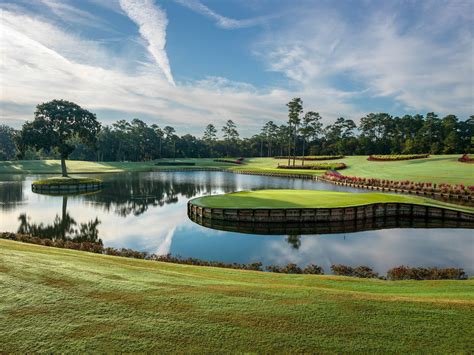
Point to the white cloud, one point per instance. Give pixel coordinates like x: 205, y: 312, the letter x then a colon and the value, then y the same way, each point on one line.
x: 39, y: 64
x: 423, y: 65
x: 71, y: 14
x: 151, y: 21
x: 223, y: 21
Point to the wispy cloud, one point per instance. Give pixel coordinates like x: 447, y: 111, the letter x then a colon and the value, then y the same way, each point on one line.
x: 425, y: 64
x: 223, y: 21
x: 151, y: 21
x: 71, y: 14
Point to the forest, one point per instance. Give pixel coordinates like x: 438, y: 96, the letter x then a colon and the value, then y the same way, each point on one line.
x: 377, y: 133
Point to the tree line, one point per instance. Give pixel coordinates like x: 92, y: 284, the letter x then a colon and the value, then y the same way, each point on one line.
x: 302, y: 134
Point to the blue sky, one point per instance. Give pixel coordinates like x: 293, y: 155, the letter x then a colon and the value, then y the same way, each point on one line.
x: 188, y: 63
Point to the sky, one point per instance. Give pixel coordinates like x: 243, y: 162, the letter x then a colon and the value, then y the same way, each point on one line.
x: 188, y: 63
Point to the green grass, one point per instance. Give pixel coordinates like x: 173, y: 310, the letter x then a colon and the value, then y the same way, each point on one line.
x: 436, y: 169
x: 67, y: 181
x: 86, y: 167
x: 313, y: 199
x: 56, y: 300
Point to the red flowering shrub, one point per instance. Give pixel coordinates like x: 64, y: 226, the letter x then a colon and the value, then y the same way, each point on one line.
x: 459, y: 189
x: 397, y: 157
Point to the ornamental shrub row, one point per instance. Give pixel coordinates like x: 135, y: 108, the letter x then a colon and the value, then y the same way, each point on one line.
x: 312, y: 157
x: 459, y: 189
x: 396, y: 273
x: 396, y: 157
x: 317, y: 166
x: 422, y: 273
x: 466, y: 159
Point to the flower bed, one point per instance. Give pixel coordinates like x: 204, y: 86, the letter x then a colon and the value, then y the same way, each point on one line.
x: 320, y: 166
x: 407, y: 185
x: 397, y: 157
x: 231, y: 161
x: 312, y: 157
x: 466, y: 159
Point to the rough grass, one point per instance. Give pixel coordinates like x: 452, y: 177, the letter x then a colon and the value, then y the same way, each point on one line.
x: 55, y: 300
x: 67, y: 181
x: 313, y: 199
x: 435, y: 169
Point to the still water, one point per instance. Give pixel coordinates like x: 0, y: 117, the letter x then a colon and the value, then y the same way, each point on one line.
x: 147, y: 212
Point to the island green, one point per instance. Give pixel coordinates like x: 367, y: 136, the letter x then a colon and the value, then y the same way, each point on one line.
x: 281, y: 199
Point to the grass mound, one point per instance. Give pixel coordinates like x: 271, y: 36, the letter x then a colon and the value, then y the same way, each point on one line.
x: 313, y: 199
x: 67, y: 181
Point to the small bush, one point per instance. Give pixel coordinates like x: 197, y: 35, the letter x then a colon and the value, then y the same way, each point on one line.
x: 364, y: 272
x: 274, y: 268
x: 292, y: 269
x: 342, y: 270
x: 313, y: 269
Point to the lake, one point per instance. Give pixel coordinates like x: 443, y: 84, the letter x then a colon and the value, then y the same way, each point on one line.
x: 147, y: 212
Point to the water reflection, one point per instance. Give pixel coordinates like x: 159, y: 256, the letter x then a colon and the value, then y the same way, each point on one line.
x: 64, y: 227
x: 11, y: 194
x: 336, y: 227
x: 148, y: 212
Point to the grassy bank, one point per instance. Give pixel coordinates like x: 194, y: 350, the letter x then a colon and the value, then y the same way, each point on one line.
x: 313, y: 199
x: 63, y: 300
x: 436, y: 169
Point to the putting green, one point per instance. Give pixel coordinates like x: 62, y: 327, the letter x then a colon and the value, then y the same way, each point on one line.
x: 277, y: 199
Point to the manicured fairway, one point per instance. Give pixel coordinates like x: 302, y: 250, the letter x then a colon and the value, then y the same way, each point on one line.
x: 56, y: 300
x: 312, y: 199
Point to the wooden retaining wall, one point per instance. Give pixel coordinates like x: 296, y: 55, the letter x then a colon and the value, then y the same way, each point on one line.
x: 358, y: 225
x: 66, y: 188
x: 288, y: 215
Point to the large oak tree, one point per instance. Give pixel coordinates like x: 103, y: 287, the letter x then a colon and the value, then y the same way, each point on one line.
x: 60, y: 124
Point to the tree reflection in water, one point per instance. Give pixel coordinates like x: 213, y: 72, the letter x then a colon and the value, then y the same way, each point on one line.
x: 294, y: 240
x: 127, y: 194
x: 64, y: 227
x: 11, y: 195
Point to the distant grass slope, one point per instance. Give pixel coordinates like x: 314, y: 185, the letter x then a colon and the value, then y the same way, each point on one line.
x: 313, y: 199
x: 56, y: 300
x: 84, y: 167
x: 436, y: 169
